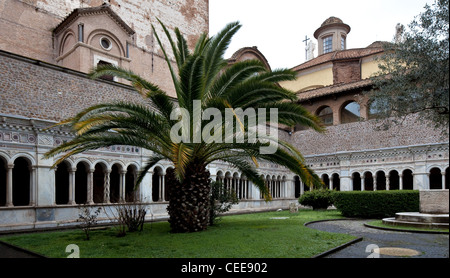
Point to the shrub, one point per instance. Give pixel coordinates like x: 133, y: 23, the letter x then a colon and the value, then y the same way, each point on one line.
x: 221, y: 200
x: 317, y: 199
x: 376, y: 204
x: 88, y: 217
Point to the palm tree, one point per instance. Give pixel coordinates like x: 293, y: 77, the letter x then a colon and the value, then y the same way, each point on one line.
x: 202, y: 79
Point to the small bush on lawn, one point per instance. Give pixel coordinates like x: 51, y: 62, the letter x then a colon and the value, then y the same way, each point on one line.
x: 376, y: 204
x: 317, y: 199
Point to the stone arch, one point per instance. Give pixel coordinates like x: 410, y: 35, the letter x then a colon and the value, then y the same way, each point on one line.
x: 394, y: 180
x: 356, y: 181
x: 435, y: 177
x: 99, y: 182
x: 115, y: 182
x: 62, y: 182
x: 407, y: 179
x: 157, y: 179
x: 21, y: 181
x: 325, y: 113
x: 93, y: 39
x: 336, y: 182
x: 130, y: 183
x: 81, y: 181
x: 350, y: 112
x: 68, y: 41
x: 368, y: 181
x: 326, y: 180
x: 380, y: 180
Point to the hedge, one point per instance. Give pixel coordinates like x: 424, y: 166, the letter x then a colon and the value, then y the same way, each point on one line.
x: 317, y: 199
x: 376, y: 204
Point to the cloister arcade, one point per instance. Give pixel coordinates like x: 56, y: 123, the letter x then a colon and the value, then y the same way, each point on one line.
x: 82, y: 181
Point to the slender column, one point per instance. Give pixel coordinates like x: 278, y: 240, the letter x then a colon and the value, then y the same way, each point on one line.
x: 375, y: 183
x: 106, y: 186
x: 388, y: 183
x: 33, y: 185
x: 163, y: 187
x: 122, y: 185
x: 443, y: 180
x: 400, y: 182
x: 363, y: 188
x: 331, y: 182
x: 72, y: 186
x: 9, y: 188
x: 90, y: 191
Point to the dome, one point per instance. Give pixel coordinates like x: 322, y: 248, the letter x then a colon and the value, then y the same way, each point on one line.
x: 331, y: 20
x: 329, y: 23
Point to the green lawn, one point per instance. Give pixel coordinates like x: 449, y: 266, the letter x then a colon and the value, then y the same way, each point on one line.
x: 238, y: 236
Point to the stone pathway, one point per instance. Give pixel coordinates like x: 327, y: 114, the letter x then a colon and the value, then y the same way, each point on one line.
x: 390, y: 244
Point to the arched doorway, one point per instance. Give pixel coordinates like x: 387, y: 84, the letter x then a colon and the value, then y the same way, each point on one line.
x: 157, y: 184
x: 407, y: 180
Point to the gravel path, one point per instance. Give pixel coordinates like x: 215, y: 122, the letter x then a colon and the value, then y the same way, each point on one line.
x: 391, y: 244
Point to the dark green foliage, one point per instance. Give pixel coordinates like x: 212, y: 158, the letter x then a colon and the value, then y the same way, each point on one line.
x: 414, y: 72
x: 376, y: 204
x: 222, y: 199
x: 317, y: 199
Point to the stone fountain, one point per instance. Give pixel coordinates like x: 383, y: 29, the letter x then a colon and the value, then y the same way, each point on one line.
x: 433, y: 212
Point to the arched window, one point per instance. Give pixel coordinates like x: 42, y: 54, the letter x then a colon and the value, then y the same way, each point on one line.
x: 325, y: 113
x: 326, y: 180
x: 21, y: 182
x: 350, y: 113
x: 81, y: 182
x: 62, y: 183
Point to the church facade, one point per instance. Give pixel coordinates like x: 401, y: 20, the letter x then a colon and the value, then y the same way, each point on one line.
x: 48, y: 47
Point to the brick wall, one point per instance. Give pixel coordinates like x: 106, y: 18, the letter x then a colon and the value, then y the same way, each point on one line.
x: 46, y: 92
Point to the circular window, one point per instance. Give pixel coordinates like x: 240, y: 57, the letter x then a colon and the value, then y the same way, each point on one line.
x: 105, y: 43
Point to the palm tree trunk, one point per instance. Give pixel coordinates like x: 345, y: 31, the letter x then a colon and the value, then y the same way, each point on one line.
x: 189, y: 201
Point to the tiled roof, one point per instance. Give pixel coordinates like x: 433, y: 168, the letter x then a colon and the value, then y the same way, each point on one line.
x: 332, y: 89
x: 355, y: 53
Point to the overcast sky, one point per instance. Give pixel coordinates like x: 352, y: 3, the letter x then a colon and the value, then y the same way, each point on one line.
x: 278, y: 27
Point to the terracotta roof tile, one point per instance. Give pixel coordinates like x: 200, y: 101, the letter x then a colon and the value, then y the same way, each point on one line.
x: 332, y: 89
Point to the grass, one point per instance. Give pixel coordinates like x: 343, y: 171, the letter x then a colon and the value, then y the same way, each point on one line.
x: 238, y: 236
x: 379, y: 223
